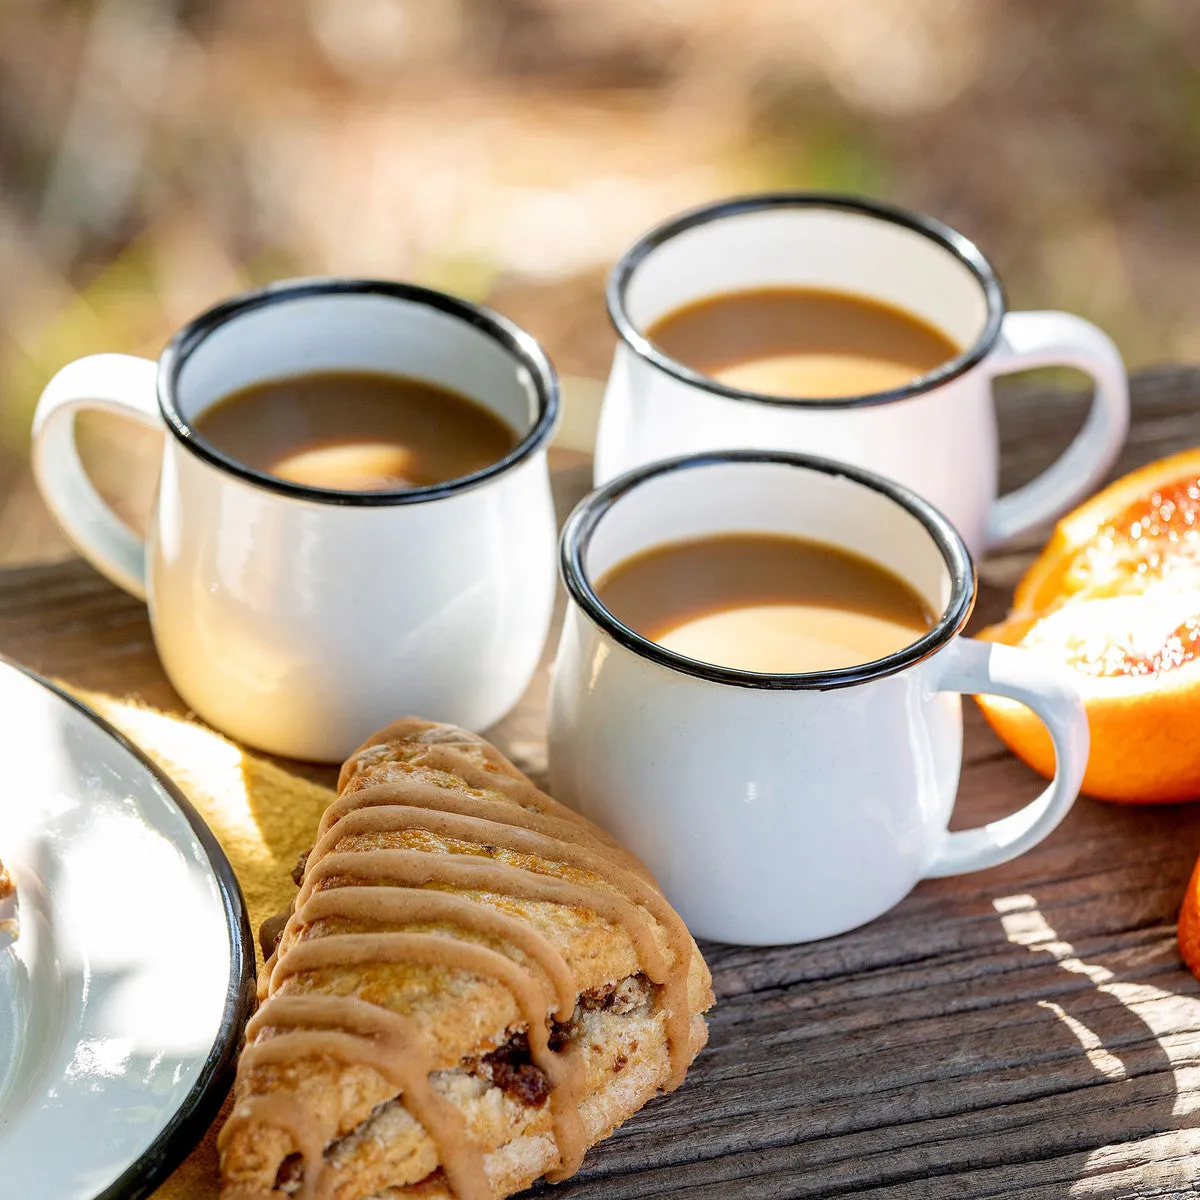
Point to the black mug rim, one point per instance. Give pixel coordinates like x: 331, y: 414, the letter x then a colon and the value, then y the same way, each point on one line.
x: 521, y: 346
x: 943, y: 235
x: 585, y: 520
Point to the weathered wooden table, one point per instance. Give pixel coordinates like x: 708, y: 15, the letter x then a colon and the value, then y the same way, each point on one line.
x: 1026, y: 1031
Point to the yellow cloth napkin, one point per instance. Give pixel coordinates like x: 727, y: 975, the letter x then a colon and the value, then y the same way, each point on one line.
x: 264, y: 819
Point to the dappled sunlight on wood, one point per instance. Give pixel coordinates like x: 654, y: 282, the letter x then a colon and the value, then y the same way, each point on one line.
x: 1172, y: 1019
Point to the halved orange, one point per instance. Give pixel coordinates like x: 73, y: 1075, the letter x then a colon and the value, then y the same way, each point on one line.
x: 1116, y: 596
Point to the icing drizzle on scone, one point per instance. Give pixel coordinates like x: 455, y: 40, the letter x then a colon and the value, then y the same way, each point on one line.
x: 403, y: 887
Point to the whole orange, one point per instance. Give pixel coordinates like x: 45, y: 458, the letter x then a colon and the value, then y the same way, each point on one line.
x: 1188, y: 934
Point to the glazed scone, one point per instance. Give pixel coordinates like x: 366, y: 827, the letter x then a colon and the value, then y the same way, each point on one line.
x: 475, y: 986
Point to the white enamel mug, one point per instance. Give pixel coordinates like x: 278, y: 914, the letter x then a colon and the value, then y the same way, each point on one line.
x: 781, y: 808
x: 937, y: 435
x: 297, y: 618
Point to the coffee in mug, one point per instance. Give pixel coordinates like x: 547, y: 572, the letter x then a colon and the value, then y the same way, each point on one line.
x: 802, y: 342
x: 900, y: 327
x: 356, y: 431
x: 765, y: 603
x: 781, y: 806
x: 299, y: 614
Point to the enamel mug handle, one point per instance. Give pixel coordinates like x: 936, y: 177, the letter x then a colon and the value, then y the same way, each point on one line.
x: 973, y: 668
x: 113, y: 383
x: 1058, y: 339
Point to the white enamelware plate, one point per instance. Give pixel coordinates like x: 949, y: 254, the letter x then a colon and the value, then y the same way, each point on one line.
x: 123, y: 997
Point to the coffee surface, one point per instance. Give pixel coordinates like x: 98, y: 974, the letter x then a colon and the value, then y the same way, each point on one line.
x: 765, y: 602
x: 356, y: 431
x: 803, y: 343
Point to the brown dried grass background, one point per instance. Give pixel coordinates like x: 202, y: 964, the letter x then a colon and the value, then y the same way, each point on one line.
x: 156, y: 155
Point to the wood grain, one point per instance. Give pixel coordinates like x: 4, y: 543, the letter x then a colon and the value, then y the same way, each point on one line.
x: 1027, y: 1031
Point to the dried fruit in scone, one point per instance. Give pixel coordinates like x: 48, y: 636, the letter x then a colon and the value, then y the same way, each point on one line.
x: 475, y: 986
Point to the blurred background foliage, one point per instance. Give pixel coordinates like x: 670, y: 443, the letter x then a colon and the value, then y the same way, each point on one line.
x: 156, y: 155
